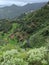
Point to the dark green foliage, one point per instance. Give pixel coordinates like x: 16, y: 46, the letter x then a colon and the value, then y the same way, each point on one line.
x: 5, y: 26
x: 33, y: 22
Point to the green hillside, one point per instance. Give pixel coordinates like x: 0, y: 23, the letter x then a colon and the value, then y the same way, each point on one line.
x: 25, y: 40
x: 34, y: 24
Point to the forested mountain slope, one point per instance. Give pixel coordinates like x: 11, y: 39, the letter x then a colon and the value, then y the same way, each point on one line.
x: 28, y: 27
x: 25, y: 40
x: 35, y: 22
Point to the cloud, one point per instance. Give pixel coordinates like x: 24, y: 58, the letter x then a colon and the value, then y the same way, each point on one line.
x: 19, y: 2
x: 7, y: 2
x: 27, y: 0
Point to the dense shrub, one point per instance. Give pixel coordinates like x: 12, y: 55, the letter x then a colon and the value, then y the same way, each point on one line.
x: 5, y: 26
x: 12, y: 58
x: 37, y: 56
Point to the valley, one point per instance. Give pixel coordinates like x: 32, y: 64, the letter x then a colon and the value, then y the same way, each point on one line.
x: 24, y: 40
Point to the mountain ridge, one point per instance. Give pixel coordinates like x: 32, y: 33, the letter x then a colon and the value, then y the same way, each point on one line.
x: 15, y: 11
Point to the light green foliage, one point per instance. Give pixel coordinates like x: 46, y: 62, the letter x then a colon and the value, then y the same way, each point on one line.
x: 21, y: 57
x: 12, y: 58
x: 37, y: 55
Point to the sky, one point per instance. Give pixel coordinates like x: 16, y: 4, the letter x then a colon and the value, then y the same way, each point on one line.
x: 19, y: 2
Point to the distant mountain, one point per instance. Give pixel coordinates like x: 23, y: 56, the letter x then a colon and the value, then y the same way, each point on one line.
x: 15, y: 11
x: 1, y: 6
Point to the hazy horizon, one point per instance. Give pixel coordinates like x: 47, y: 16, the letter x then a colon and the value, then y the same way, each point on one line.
x: 19, y: 2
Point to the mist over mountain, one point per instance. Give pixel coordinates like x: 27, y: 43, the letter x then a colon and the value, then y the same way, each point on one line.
x: 15, y: 11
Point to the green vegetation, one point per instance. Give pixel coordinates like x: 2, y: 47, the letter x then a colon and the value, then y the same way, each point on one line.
x: 18, y: 56
x: 25, y: 40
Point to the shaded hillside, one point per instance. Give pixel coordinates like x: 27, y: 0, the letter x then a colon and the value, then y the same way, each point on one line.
x: 14, y: 11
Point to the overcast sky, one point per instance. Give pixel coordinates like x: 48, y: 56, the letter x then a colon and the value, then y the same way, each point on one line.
x: 19, y: 2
